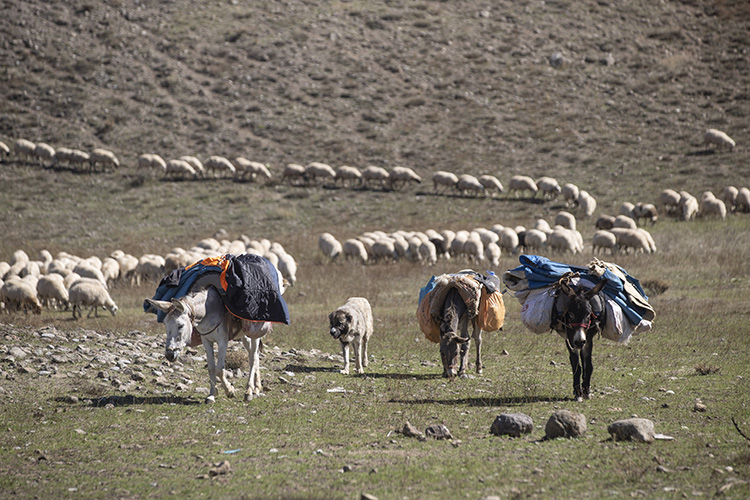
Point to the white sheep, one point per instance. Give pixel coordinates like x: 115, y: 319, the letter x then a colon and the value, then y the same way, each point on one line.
x: 624, y: 221
x: 468, y: 183
x: 18, y: 294
x: 195, y: 163
x: 521, y: 183
x: 150, y: 161
x: 742, y: 202
x: 492, y: 252
x: 491, y: 184
x: 355, y: 249
x: 565, y: 219
x: 25, y: 150
x: 44, y: 153
x: 293, y: 173
x: 645, y: 211
x: 647, y: 235
x: 51, y: 291
x: 668, y: 202
x: 150, y: 268
x: 634, y: 239
x: 316, y: 170
x: 509, y: 240
x: 250, y: 170
x: 712, y: 206
x: 103, y: 157
x: 288, y: 268
x: 90, y: 293
x: 4, y: 150
x: 384, y: 249
x: 348, y: 175
x: 586, y: 203
x: 563, y: 239
x: 549, y: 187
x: 110, y: 270
x: 534, y: 240
x: 688, y: 206
x: 603, y: 240
x: 428, y: 252
x: 626, y: 209
x: 729, y: 196
x: 373, y: 173
x: 180, y: 169
x: 570, y: 193
x: 487, y: 236
x: 442, y: 178
x: 714, y: 137
x: 218, y: 166
x: 458, y: 242
x: 400, y: 176
x: 79, y: 160
x: 87, y: 270
x: 330, y: 246
x: 474, y: 248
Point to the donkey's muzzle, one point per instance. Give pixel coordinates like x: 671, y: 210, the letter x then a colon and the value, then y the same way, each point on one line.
x: 172, y: 354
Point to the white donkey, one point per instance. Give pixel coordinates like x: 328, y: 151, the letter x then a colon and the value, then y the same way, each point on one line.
x: 205, y: 313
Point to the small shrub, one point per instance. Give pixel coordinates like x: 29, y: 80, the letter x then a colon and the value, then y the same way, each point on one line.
x: 704, y: 369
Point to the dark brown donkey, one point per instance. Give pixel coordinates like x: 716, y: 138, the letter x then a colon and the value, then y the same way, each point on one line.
x: 580, y: 316
x: 454, y: 336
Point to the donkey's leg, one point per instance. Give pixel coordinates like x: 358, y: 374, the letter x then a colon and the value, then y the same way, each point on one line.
x: 478, y: 339
x: 576, y: 366
x: 257, y: 384
x: 209, y: 347
x: 463, y: 327
x: 250, y: 381
x: 221, y: 356
x: 588, y: 367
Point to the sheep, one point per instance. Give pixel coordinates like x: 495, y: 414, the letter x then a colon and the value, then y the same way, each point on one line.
x: 400, y: 176
x: 150, y: 268
x: 474, y: 248
x: 249, y: 170
x: 4, y: 150
x: 563, y: 239
x: 105, y: 158
x: 347, y: 175
x: 647, y: 235
x: 78, y: 159
x: 492, y: 252
x: 565, y: 219
x: 605, y: 222
x: 448, y: 237
x: 179, y: 169
x: 487, y: 236
x: 90, y: 293
x: 624, y: 221
x: 384, y: 249
x: 355, y: 249
x: 634, y: 239
x: 288, y: 268
x: 18, y: 294
x: 570, y: 194
x: 218, y: 166
x: 442, y: 178
x: 645, y: 211
x: 712, y: 206
x: 330, y: 246
x: 316, y: 170
x: 688, y: 206
x: 521, y: 183
x: 151, y: 161
x: 603, y: 240
x: 626, y: 209
x: 375, y: 174
x: 25, y: 150
x: 51, y: 291
x: 491, y: 184
x: 729, y: 196
x: 549, y: 187
x: 714, y: 137
x: 86, y: 270
x: 468, y: 183
x: 292, y: 173
x: 110, y: 270
x: 742, y: 203
x: 668, y: 202
x: 508, y: 240
x: 428, y: 252
x: 195, y: 163
x: 534, y: 240
x: 44, y: 153
x: 586, y: 203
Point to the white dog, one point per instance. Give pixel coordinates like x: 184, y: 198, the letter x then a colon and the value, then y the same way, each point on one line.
x: 352, y: 323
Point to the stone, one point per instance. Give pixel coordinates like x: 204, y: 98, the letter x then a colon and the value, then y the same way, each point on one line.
x: 219, y: 469
x: 512, y: 424
x: 410, y: 431
x: 18, y: 353
x: 632, y: 429
x: 438, y: 431
x: 565, y: 423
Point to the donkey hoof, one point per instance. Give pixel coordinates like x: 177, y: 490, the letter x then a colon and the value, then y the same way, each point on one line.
x: 587, y: 396
x: 210, y: 399
x: 579, y: 399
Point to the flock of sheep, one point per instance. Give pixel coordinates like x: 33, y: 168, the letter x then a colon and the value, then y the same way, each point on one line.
x: 69, y: 281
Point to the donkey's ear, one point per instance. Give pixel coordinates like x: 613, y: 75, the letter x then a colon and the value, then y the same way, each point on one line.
x: 598, y: 288
x: 567, y: 290
x: 159, y: 304
x: 177, y: 304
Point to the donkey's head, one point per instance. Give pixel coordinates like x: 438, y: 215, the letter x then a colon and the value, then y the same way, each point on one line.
x: 179, y: 323
x: 578, y: 315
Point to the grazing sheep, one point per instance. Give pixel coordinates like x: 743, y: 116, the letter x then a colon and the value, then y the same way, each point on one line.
x: 79, y: 160
x: 400, y: 176
x: 218, y: 166
x: 688, y: 206
x: 605, y: 222
x: 18, y: 294
x: 355, y: 249
x: 714, y: 137
x: 534, y: 240
x: 428, y: 252
x: 110, y: 270
x: 647, y: 235
x: 549, y: 187
x: 521, y: 183
x: 604, y: 240
x: 317, y: 170
x: 625, y: 221
x: 195, y: 163
x: 293, y: 173
x: 712, y: 206
x: 729, y: 196
x: 742, y: 202
x: 103, y: 157
x: 587, y: 203
x: 151, y: 161
x: 330, y: 246
x: 491, y: 184
x: 179, y: 169
x: 565, y: 219
x: 487, y: 236
x: 468, y: 183
x: 90, y: 293
x: 645, y: 211
x: 384, y: 249
x: 492, y: 252
x: 249, y: 170
x: 570, y: 193
x: 626, y: 209
x: 4, y: 150
x: 474, y: 248
x: 45, y: 154
x: 669, y: 202
x: 509, y: 241
x: 51, y: 291
x: 288, y: 268
x: 442, y: 178
x: 563, y: 239
x: 150, y: 268
x: 86, y: 270
x: 634, y: 239
x: 348, y: 175
x: 374, y: 173
x: 25, y: 150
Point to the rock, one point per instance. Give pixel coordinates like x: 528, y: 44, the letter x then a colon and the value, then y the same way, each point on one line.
x: 556, y: 60
x: 18, y: 353
x: 438, y: 431
x: 512, y: 424
x: 565, y: 423
x: 632, y: 429
x: 219, y: 469
x: 410, y: 431
x: 699, y: 406
x: 367, y: 496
